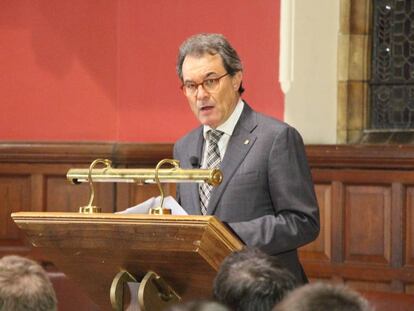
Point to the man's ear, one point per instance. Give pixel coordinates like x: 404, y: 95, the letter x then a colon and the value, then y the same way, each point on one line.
x: 237, y: 79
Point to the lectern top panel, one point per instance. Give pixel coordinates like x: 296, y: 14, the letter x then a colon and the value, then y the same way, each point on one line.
x: 92, y: 248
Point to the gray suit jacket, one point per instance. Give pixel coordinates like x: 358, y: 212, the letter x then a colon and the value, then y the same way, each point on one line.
x: 267, y: 196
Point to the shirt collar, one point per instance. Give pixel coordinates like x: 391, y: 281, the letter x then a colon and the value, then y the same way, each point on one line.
x: 228, y: 126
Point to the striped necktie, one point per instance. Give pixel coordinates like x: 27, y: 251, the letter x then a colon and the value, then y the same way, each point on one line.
x: 213, y: 161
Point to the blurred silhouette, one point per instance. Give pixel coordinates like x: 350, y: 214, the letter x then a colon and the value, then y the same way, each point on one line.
x: 25, y: 286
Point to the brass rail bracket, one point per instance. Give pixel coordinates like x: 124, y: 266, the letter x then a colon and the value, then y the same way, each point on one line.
x: 154, y: 294
x: 160, y: 210
x: 89, y: 209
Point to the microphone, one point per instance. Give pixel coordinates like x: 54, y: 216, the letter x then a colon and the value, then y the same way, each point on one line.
x: 195, y: 162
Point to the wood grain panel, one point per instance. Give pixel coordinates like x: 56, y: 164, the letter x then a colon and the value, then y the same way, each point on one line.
x: 369, y: 286
x: 398, y: 157
x: 14, y: 197
x: 359, y: 271
x: 69, y: 296
x: 338, y: 221
x: 368, y: 224
x: 62, y: 196
x: 320, y: 249
x: 398, y: 202
x: 14, y: 192
x: 409, y: 225
x: 185, y: 250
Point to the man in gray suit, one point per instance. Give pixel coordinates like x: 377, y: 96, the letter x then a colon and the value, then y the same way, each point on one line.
x: 267, y: 196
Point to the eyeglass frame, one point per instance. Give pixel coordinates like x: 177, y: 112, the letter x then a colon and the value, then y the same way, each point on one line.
x: 183, y: 86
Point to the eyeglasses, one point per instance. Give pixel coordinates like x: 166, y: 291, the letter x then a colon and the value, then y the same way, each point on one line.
x: 209, y: 85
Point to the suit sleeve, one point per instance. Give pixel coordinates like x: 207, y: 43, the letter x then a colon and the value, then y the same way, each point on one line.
x: 295, y: 221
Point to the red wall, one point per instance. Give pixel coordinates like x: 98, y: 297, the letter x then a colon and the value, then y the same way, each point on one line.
x: 84, y: 70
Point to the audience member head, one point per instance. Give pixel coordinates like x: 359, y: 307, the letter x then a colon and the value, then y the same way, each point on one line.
x: 198, y: 305
x: 323, y: 297
x: 25, y: 286
x: 250, y: 280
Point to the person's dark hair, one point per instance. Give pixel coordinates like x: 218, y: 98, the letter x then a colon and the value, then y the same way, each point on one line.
x: 252, y: 280
x: 210, y: 43
x: 25, y: 286
x: 323, y: 297
x: 198, y: 305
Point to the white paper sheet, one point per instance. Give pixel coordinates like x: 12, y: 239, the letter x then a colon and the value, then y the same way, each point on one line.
x: 143, y: 208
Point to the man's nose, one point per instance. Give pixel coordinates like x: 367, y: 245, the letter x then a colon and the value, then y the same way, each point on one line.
x: 201, y: 92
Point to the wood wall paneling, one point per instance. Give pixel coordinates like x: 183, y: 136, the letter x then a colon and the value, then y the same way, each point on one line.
x: 14, y: 197
x: 409, y: 228
x: 365, y: 193
x: 371, y: 216
x: 369, y: 286
x: 367, y: 224
x: 61, y: 196
x: 320, y: 249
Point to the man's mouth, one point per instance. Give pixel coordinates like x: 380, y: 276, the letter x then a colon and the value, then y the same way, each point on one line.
x: 206, y: 108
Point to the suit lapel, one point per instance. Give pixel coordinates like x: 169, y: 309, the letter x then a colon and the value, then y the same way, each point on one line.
x: 196, y: 150
x: 240, y: 143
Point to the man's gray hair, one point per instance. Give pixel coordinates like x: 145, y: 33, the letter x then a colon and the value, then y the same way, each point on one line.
x: 210, y: 43
x: 25, y: 286
x: 323, y: 296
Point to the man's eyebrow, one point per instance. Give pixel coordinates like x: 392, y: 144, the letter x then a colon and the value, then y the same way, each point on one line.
x: 210, y: 74
x: 206, y: 76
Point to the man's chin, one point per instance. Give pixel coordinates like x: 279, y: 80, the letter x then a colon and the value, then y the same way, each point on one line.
x: 209, y: 122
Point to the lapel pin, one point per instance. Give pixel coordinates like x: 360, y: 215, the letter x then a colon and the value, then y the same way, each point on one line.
x: 246, y: 141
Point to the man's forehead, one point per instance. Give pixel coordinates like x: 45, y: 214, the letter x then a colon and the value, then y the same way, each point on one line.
x: 202, y: 65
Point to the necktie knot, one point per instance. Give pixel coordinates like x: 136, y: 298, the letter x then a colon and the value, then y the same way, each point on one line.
x: 214, y: 136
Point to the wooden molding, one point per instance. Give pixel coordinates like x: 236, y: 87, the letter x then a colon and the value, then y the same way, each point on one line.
x: 83, y: 152
x: 319, y: 156
x: 361, y: 156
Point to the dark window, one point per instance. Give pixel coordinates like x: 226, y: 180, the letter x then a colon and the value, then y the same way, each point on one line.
x: 392, y: 68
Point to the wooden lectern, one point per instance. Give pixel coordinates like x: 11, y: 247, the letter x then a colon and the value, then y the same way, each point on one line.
x: 92, y: 249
